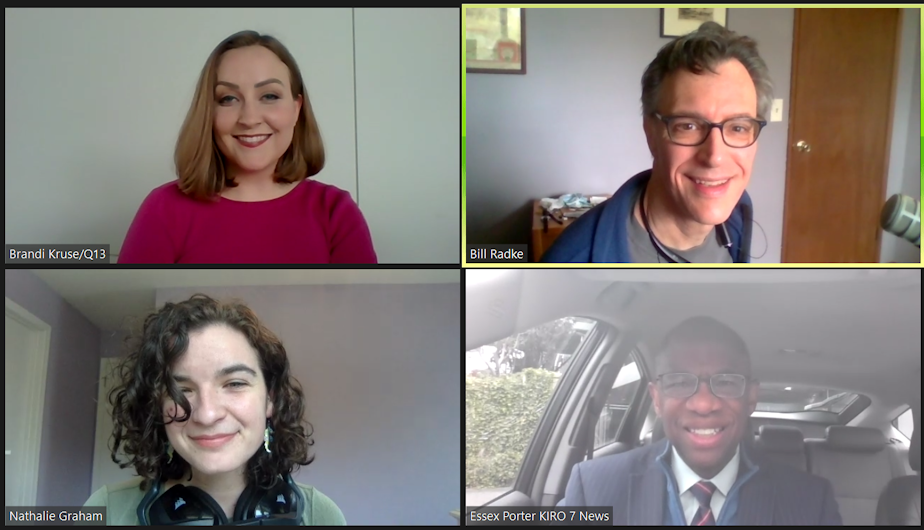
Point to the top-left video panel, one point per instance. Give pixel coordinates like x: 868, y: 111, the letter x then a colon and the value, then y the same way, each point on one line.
x: 226, y: 136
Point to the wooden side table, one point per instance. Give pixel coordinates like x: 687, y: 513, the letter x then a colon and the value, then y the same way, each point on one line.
x: 545, y: 233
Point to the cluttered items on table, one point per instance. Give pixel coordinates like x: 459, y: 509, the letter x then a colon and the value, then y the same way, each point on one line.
x: 569, y: 206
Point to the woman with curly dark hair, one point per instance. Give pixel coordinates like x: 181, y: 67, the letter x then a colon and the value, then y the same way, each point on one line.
x: 212, y: 422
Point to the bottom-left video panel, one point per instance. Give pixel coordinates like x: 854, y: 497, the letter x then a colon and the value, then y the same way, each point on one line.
x: 243, y: 397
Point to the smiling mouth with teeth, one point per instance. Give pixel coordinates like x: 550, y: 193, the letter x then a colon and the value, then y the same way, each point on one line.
x: 706, y: 432
x: 710, y: 184
x: 253, y: 139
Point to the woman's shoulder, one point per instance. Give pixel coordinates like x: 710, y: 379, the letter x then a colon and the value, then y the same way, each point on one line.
x: 322, y: 511
x: 322, y: 191
x: 166, y: 199
x: 120, y: 500
x: 131, y: 487
x: 169, y: 191
x: 334, y: 204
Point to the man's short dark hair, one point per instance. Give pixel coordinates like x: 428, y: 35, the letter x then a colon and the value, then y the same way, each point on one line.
x: 702, y: 50
x: 698, y: 330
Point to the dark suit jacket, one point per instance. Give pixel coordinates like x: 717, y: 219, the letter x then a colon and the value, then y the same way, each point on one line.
x: 635, y: 485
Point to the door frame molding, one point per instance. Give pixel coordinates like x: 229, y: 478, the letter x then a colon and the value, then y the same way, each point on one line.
x: 35, y: 378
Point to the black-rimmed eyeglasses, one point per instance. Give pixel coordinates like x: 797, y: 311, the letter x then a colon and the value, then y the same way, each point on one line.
x: 689, y: 131
x: 682, y: 386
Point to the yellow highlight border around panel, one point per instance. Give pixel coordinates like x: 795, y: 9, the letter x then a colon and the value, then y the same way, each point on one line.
x: 658, y: 6
x: 467, y: 265
x: 691, y: 266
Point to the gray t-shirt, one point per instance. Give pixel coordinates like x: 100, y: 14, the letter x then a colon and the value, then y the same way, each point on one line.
x: 642, y: 250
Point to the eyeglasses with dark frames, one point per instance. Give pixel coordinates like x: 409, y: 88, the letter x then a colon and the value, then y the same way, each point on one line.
x: 690, y: 131
x: 683, y: 386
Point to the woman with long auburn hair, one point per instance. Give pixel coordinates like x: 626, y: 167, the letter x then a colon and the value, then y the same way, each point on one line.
x: 244, y: 159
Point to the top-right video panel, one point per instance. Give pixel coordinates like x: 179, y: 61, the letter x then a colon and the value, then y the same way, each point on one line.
x: 692, y: 135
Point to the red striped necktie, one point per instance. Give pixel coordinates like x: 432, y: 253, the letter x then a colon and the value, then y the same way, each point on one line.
x: 703, y: 492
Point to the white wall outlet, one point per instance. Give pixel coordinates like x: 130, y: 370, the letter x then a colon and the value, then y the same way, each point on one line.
x: 776, y: 112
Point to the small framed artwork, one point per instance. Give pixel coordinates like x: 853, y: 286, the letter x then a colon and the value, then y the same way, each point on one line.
x: 677, y: 22
x: 495, y: 40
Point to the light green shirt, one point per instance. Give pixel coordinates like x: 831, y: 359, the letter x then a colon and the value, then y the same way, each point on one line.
x: 121, y: 502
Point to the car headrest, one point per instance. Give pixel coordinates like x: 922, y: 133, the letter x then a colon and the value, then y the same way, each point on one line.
x: 780, y: 439
x: 859, y: 439
x: 914, y: 453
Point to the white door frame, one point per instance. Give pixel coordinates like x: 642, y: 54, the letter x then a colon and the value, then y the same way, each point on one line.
x: 37, y: 362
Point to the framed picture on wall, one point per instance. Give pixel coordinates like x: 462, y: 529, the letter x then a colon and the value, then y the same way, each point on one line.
x: 677, y: 22
x: 495, y: 40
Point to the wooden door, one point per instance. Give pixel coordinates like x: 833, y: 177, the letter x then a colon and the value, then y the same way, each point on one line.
x: 844, y: 69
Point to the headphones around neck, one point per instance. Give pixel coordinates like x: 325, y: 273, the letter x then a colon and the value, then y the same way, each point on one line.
x: 721, y: 235
x: 284, y: 504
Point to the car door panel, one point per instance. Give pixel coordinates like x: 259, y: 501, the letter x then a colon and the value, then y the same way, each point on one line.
x: 562, y: 454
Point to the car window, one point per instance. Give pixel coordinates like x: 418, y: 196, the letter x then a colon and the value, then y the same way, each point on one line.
x: 785, y: 398
x: 508, y: 386
x: 905, y: 423
x: 618, y: 403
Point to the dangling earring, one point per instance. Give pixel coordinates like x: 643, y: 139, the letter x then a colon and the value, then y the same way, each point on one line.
x: 169, y: 453
x: 267, y: 436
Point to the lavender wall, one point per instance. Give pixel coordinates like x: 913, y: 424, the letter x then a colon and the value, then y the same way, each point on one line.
x: 112, y: 343
x: 905, y: 151
x: 911, y: 182
x: 912, y: 185
x: 66, y: 464
x: 573, y: 123
x: 380, y: 369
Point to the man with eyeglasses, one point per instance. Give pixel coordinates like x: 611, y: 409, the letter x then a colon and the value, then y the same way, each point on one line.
x: 705, y: 473
x: 705, y: 99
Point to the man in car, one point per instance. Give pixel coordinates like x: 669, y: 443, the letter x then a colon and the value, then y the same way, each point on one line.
x: 705, y: 472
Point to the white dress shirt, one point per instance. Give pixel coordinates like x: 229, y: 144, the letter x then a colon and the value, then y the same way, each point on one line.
x: 686, y: 478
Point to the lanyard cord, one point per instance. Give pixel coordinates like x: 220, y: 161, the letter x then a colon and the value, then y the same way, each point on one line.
x: 662, y: 251
x: 666, y: 253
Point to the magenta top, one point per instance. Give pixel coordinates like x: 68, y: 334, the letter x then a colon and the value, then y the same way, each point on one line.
x: 312, y: 223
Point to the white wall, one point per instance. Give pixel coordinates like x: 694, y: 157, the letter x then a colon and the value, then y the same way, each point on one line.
x: 95, y: 99
x: 105, y: 472
x: 407, y: 66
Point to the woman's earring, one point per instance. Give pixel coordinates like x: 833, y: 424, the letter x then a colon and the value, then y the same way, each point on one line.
x: 169, y: 453
x: 267, y: 437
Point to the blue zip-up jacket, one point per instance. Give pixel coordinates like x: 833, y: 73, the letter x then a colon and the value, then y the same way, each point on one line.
x: 599, y: 236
